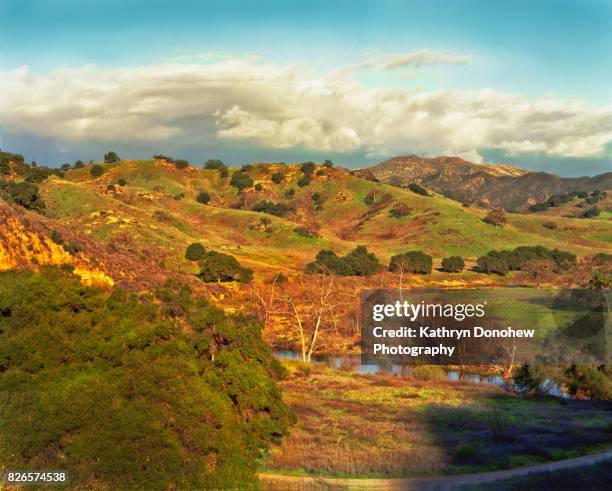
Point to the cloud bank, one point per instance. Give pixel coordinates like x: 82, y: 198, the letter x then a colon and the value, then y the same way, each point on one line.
x: 288, y: 106
x: 427, y: 57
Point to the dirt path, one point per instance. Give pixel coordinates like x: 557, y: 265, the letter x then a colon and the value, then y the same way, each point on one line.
x: 274, y: 482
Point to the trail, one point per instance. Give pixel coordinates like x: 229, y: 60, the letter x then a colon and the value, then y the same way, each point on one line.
x: 275, y: 482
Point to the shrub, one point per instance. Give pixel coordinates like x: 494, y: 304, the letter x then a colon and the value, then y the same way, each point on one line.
x: 318, y: 198
x: 358, y: 262
x: 491, y: 264
x: 241, y: 181
x: 203, y: 197
x: 591, y: 212
x: 328, y: 163
x: 181, y: 164
x: 290, y: 193
x: 22, y: 193
x: 223, y: 173
x: 110, y: 187
x: 195, y: 252
x: 97, y: 170
x: 214, y: 164
x: 164, y: 387
x: 400, y: 210
x: 308, y: 168
x: 411, y: 262
x: 276, y: 209
x: 528, y: 379
x: 320, y: 172
x: 453, y: 264
x: 246, y: 168
x: 550, y: 225
x: 178, y: 196
x: 539, y: 207
x: 79, y: 164
x: 122, y: 182
x: 306, y: 232
x: 258, y: 186
x: 163, y: 157
x: 277, y: 177
x: 216, y: 266
x: 304, y: 181
x: 600, y: 280
x: 495, y: 217
x: 161, y: 216
x: 416, y: 188
x: 111, y: 157
x: 56, y: 237
x: 582, y: 194
x: 588, y: 381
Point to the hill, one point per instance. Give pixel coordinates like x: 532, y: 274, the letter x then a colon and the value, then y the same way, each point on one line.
x: 487, y: 185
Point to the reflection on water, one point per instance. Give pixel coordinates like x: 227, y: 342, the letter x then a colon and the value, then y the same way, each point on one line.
x: 353, y: 363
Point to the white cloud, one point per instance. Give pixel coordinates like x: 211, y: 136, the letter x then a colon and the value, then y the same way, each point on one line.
x: 427, y: 57
x: 278, y: 106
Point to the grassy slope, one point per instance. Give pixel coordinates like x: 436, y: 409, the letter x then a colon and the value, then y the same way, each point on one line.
x: 437, y: 225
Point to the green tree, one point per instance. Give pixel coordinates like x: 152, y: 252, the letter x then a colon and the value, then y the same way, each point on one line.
x: 96, y: 170
x: 214, y: 164
x: 181, y: 164
x: 241, y: 181
x: 216, y: 266
x: 203, y: 197
x: 195, y: 252
x: 111, y: 157
x: 453, y: 264
x: 411, y: 262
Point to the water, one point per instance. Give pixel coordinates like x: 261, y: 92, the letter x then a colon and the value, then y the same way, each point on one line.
x: 353, y: 363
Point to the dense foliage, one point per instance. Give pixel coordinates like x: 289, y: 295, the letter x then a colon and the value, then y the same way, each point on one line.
x: 110, y: 157
x: 241, y: 181
x: 96, y: 170
x: 358, y: 262
x: 195, y: 252
x: 214, y: 164
x: 400, y: 210
x: 500, y: 262
x: 416, y: 188
x: 113, y: 388
x: 181, y: 164
x: 277, y: 177
x: 203, y: 197
x: 453, y: 264
x: 22, y: 193
x: 216, y: 266
x: 411, y: 262
x: 276, y: 209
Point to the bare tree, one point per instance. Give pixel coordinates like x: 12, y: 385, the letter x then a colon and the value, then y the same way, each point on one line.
x: 311, y: 314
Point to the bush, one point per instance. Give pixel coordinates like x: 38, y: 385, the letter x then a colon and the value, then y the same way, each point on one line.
x: 96, y: 170
x: 165, y: 388
x: 528, y: 379
x: 358, y: 262
x: 22, y: 193
x: 276, y: 209
x: 216, y: 266
x: 304, y: 181
x: 246, y: 168
x: 453, y: 264
x: 371, y: 198
x: 591, y: 212
x: 493, y: 264
x: 110, y: 187
x: 411, y: 262
x: 163, y: 157
x: 495, y: 217
x: 195, y: 252
x: 258, y: 186
x: 582, y: 194
x: 588, y: 382
x: 277, y: 177
x: 79, y: 164
x: 320, y: 172
x: 328, y: 163
x: 111, y: 157
x: 416, y: 188
x: 56, y: 237
x: 290, y: 193
x: 308, y: 168
x: 306, y: 232
x: 223, y: 173
x: 203, y: 197
x: 241, y: 181
x: 550, y: 225
x: 214, y: 164
x: 122, y: 182
x: 181, y: 164
x: 400, y: 210
x: 539, y: 207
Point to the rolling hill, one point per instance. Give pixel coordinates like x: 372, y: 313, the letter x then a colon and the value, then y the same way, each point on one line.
x: 485, y: 185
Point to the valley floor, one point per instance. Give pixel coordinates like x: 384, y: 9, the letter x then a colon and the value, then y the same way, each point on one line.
x: 353, y: 425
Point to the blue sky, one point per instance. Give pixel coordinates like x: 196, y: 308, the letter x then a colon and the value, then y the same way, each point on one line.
x: 551, y: 55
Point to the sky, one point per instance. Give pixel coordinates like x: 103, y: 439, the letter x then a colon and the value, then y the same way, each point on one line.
x: 522, y: 82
